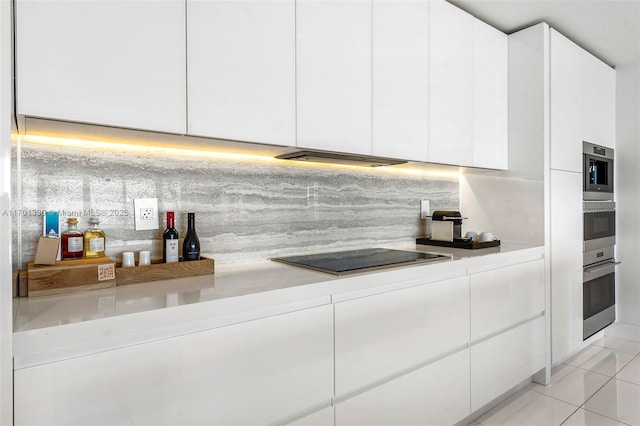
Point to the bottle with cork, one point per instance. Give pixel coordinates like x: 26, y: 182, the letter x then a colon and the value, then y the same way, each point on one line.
x: 72, y: 243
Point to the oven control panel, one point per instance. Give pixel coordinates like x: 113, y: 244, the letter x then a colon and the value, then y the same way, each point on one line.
x: 598, y: 206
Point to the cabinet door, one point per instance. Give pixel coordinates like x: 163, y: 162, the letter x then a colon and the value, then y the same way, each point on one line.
x: 381, y: 335
x: 119, y: 63
x: 567, y: 100
x: 437, y: 394
x: 566, y: 263
x: 599, y: 105
x: 505, y: 296
x: 333, y: 57
x: 241, y: 68
x: 450, y: 84
x: 500, y: 363
x: 490, y: 97
x: 400, y: 78
x: 258, y: 372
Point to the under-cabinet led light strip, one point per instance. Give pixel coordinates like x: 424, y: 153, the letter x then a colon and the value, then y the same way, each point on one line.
x: 121, y: 146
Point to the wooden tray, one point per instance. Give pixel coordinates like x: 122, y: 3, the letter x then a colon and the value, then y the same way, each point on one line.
x: 164, y: 271
x: 68, y: 276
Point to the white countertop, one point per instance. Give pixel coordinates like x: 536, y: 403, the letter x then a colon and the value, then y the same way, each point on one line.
x: 72, y: 324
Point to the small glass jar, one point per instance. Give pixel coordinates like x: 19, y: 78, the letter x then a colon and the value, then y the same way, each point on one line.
x: 94, y: 239
x: 72, y: 241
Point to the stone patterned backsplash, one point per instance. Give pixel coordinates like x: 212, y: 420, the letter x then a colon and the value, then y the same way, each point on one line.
x: 246, y: 209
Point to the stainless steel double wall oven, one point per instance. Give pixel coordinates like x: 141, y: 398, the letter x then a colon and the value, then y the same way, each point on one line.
x: 599, y: 213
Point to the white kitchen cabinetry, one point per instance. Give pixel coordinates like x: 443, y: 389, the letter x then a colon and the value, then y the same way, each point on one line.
x: 582, y: 102
x: 437, y: 394
x: 503, y: 297
x: 258, y: 372
x: 507, y: 328
x: 400, y: 78
x: 395, y: 343
x: 502, y: 362
x: 333, y: 57
x: 114, y: 63
x: 490, y: 97
x: 567, y: 126
x: 241, y: 70
x: 599, y: 107
x: 468, y: 90
x: 566, y: 263
x: 382, y: 335
x: 450, y: 84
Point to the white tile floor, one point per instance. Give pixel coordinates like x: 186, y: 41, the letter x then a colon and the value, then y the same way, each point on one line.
x: 599, y: 386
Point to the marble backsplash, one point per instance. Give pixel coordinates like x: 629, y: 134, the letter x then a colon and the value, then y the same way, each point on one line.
x: 246, y: 209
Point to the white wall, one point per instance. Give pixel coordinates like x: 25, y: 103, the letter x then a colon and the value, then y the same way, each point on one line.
x: 627, y: 188
x: 6, y: 325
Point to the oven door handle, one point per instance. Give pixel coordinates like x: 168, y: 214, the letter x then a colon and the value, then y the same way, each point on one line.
x: 601, y: 267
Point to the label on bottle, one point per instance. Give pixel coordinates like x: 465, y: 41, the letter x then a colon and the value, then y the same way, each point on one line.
x: 171, y: 250
x: 192, y: 254
x: 74, y: 244
x: 96, y: 244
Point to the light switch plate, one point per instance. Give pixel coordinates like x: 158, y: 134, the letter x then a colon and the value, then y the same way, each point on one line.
x: 146, y: 213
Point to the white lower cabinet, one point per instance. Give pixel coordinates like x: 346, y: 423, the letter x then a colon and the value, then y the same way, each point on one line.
x: 506, y: 296
x: 437, y: 394
x: 258, y: 372
x: 507, y: 328
x: 377, y: 337
x: 503, y: 361
x: 428, y: 352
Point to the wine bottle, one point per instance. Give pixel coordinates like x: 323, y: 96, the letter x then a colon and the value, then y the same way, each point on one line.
x: 170, y: 241
x: 191, y: 244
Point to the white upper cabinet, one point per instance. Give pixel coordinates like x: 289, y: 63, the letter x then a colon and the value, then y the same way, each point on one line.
x: 490, y: 97
x: 468, y: 90
x: 241, y: 70
x: 566, y: 103
x: 400, y: 78
x: 450, y: 84
x: 333, y: 57
x: 583, y: 91
x: 599, y: 107
x: 118, y: 63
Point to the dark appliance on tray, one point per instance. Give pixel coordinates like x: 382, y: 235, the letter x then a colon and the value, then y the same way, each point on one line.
x: 354, y: 261
x: 446, y: 225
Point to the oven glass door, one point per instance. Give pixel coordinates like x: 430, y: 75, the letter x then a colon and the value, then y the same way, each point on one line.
x: 598, y: 298
x: 599, y: 229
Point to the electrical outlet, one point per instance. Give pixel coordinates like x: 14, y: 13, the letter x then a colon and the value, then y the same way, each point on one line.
x: 146, y: 213
x: 424, y: 209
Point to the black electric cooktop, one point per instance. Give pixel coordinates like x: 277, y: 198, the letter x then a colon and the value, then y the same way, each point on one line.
x: 353, y: 261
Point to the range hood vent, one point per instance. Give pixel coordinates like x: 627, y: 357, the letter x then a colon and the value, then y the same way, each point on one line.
x: 337, y: 158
